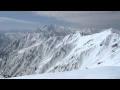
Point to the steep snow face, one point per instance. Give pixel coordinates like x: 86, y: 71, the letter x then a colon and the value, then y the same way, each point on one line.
x: 108, y: 72
x: 35, y: 53
x: 91, y: 51
x: 14, y: 36
x: 30, y: 49
x: 3, y: 41
x: 7, y: 39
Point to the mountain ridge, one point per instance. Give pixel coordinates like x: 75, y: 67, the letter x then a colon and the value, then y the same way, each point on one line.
x: 37, y: 53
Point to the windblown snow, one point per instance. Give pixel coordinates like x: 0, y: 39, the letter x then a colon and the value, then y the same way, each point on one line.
x: 62, y: 53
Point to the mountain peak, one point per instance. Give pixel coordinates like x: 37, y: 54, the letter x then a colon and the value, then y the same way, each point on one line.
x: 44, y: 51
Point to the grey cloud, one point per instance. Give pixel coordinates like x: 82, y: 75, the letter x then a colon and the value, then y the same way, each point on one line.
x: 10, y: 23
x: 6, y: 19
x: 90, y: 18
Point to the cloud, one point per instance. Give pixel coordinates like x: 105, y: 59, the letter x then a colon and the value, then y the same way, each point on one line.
x: 6, y: 19
x: 10, y: 23
x: 84, y: 17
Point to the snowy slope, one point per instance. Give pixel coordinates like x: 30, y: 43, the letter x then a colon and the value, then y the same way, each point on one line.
x: 46, y: 52
x: 6, y: 40
x: 95, y: 73
x: 14, y: 36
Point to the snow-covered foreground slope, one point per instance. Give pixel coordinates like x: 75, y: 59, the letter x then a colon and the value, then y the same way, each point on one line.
x: 37, y: 53
x: 109, y: 72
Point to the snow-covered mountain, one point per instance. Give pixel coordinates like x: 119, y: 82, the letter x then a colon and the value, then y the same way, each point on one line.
x: 7, y: 39
x: 59, y: 49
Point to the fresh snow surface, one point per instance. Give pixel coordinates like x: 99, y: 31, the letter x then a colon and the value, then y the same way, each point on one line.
x: 23, y: 50
x: 106, y: 72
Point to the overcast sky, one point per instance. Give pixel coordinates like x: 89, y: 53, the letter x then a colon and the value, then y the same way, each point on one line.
x: 75, y: 19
